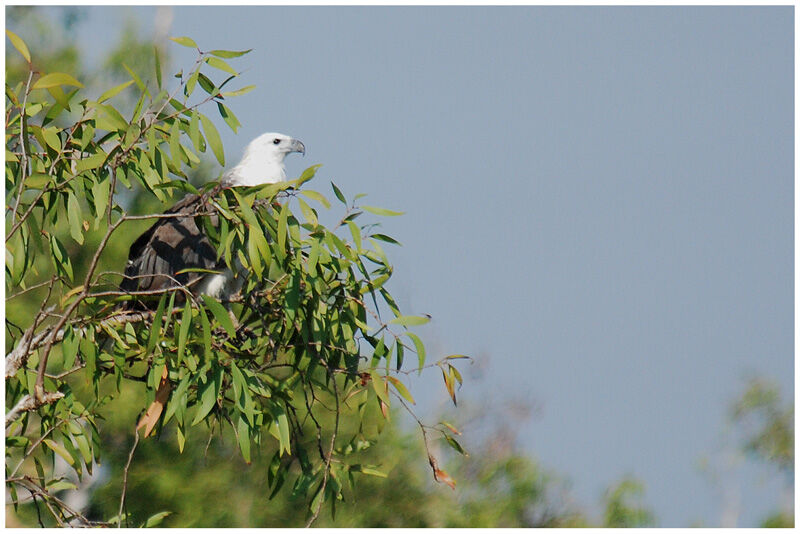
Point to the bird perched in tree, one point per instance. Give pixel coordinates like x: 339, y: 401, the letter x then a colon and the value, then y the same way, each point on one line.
x: 175, y: 243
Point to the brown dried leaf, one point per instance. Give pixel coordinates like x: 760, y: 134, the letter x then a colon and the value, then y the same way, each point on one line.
x: 439, y: 475
x: 150, y: 417
x: 443, y: 477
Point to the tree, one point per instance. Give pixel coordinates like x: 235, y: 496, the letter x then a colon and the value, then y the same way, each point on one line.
x: 303, y: 364
x: 767, y: 425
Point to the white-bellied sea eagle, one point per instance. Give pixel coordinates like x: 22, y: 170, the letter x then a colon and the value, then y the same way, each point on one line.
x: 159, y: 258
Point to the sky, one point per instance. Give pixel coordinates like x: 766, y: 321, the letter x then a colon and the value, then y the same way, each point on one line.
x: 599, y: 207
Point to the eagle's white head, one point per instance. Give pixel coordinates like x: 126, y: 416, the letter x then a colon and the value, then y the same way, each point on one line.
x: 262, y: 162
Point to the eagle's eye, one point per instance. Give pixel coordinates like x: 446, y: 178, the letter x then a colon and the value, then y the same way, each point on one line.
x: 276, y: 141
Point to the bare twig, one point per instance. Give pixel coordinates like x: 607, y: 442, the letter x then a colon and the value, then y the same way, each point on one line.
x: 47, y: 497
x: 39, y: 387
x: 125, y: 478
x: 33, y: 447
x: 24, y: 162
x: 327, y: 471
x: 19, y: 356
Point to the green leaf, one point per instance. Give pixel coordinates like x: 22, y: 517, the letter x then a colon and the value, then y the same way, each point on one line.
x: 420, y: 348
x: 83, y: 446
x: 400, y: 349
x: 307, y: 175
x: 60, y: 485
x: 282, y: 222
x: 368, y: 470
x: 229, y: 53
x: 186, y: 321
x: 401, y: 389
x: 155, y: 328
x: 384, y: 237
x: 37, y: 180
x: 208, y: 398
x: 54, y: 79
x: 283, y: 428
x: 356, y: 233
x: 58, y: 94
x: 220, y: 64
x: 75, y: 218
x: 155, y: 520
x: 247, y: 212
x: 319, y: 197
x: 20, y: 45
x: 175, y: 144
x: 206, y: 333
x: 220, y: 314
x: 410, y: 320
x: 456, y: 445
x: 243, y: 437
x: 382, y: 211
x: 61, y: 259
x: 109, y: 119
x: 308, y: 213
x: 60, y: 450
x: 89, y: 163
x: 51, y: 138
x: 239, y: 92
x: 70, y: 348
x: 338, y: 193
x: 181, y: 435
x: 239, y: 382
x: 313, y: 256
x: 228, y: 116
x: 178, y: 399
x: 212, y: 136
x: 114, y: 91
x: 253, y: 253
x: 194, y: 132
x: 157, y: 65
x: 379, y: 385
x: 191, y: 83
x: 184, y: 41
x: 139, y: 83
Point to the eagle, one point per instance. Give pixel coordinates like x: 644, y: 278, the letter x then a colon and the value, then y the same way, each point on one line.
x: 160, y: 257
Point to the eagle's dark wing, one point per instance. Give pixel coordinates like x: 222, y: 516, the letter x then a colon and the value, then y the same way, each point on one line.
x: 168, y: 247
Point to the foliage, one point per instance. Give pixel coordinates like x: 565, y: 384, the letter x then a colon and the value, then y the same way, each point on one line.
x: 624, y: 507
x: 297, y: 363
x: 209, y: 484
x: 769, y: 425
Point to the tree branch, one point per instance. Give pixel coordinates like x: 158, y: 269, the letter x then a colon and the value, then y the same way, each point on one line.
x: 28, y: 403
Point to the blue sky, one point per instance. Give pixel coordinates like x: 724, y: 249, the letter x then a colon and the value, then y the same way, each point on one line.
x: 599, y: 205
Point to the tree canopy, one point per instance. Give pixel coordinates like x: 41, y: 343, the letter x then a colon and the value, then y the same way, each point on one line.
x: 303, y: 364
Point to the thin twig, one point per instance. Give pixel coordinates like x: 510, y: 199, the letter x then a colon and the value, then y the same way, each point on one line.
x: 39, y: 387
x: 125, y: 479
x: 19, y: 356
x: 24, y: 162
x: 327, y: 471
x: 31, y: 449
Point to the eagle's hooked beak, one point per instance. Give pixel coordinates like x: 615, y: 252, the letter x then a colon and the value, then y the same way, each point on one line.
x: 298, y: 146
